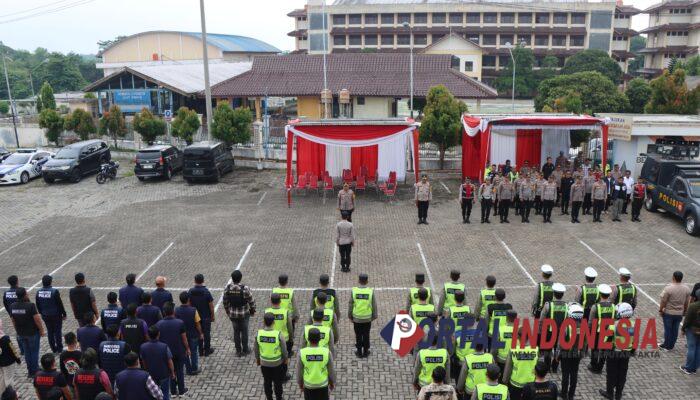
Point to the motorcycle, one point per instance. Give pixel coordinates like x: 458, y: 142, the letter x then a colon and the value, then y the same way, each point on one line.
x: 108, y: 170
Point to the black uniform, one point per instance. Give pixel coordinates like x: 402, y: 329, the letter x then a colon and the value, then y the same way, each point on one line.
x: 50, y: 306
x: 565, y: 194
x: 540, y: 391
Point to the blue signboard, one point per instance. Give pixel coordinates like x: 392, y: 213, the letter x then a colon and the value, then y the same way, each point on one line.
x: 132, y: 101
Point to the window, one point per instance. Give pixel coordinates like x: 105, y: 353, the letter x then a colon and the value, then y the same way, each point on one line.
x: 601, y: 19
x: 316, y: 42
x: 387, y: 40
x: 525, y: 40
x: 420, y: 39
x: 524, y: 18
x: 679, y: 186
x: 404, y: 17
x: 316, y: 21
x: 619, y: 38
x: 503, y: 61
x: 560, y: 18
x: 541, y: 40
x: 489, y: 40
x: 454, y: 62
x: 599, y: 41
x: 490, y: 18
x: 355, y: 40
x: 439, y: 18
x: 542, y: 18
x: 339, y: 19
x: 437, y: 36
x: 576, y: 40
x: 473, y: 18
x: 371, y: 19
x: 473, y: 38
x: 360, y: 101
x: 559, y: 40
x: 355, y: 19
x: 387, y: 19
x: 456, y: 18
x: 420, y: 18
x: 370, y: 40
x: 507, y: 18
x: 489, y: 61
x: 403, y: 40
x: 469, y: 66
x: 505, y: 39
x: 578, y: 18
x: 339, y: 40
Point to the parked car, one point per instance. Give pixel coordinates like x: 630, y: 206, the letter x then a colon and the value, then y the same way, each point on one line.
x: 74, y: 161
x: 22, y: 166
x: 158, y: 161
x: 207, y: 160
x: 4, y: 153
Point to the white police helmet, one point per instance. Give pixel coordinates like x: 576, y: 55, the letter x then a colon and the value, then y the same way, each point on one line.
x: 558, y: 288
x: 575, y: 311
x: 625, y: 272
x: 547, y: 269
x: 624, y: 310
x: 605, y: 289
x: 590, y: 272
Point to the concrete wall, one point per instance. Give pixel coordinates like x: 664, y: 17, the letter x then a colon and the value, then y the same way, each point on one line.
x: 374, y: 107
x: 30, y: 135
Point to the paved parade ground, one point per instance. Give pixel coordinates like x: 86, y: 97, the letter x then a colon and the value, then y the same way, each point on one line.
x: 177, y: 230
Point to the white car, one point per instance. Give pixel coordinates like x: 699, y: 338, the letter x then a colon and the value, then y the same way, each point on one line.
x: 22, y: 166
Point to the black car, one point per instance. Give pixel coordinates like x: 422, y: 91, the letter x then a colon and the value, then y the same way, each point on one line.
x: 74, y: 161
x: 207, y: 160
x: 158, y: 161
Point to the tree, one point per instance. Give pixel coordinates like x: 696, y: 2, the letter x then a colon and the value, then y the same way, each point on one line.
x: 582, y: 92
x: 4, y: 107
x: 547, y: 70
x: 231, y: 126
x: 442, y: 123
x: 112, y: 124
x: 638, y: 92
x: 185, y: 124
x: 53, y: 123
x: 670, y: 95
x: 149, y: 126
x: 525, y: 83
x: 45, y: 100
x: 637, y: 43
x: 593, y: 60
x: 691, y: 66
x: 80, y: 122
x: 673, y: 64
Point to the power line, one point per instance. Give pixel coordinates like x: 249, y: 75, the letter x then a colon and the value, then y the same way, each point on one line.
x: 47, y: 11
x: 53, y: 3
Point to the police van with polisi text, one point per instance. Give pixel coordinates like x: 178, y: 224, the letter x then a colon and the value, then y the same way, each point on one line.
x: 673, y: 183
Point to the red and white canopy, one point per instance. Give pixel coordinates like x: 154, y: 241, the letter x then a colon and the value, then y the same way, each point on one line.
x: 493, y: 139
x: 336, y: 145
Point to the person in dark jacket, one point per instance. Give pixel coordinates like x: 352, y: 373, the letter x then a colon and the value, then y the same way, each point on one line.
x: 134, y: 383
x: 203, y: 301
x: 82, y: 299
x: 160, y: 296
x: 547, y: 168
x: 8, y: 358
x: 90, y: 380
x: 9, y: 298
x: 619, y: 197
x: 69, y: 360
x: 111, y: 353
x: 174, y: 333
x: 29, y: 328
x: 90, y: 335
x: 566, y: 182
x: 190, y: 317
x: 158, y: 361
x: 147, y: 311
x: 50, y: 306
x: 49, y: 378
x: 133, y: 330
x: 130, y: 293
x: 113, y: 314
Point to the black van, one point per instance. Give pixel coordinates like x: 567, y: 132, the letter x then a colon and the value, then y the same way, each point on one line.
x: 158, y: 161
x: 75, y: 160
x: 207, y: 160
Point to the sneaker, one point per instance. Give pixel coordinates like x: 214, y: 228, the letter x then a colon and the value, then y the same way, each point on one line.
x: 685, y: 371
x: 208, y: 352
x: 183, y: 392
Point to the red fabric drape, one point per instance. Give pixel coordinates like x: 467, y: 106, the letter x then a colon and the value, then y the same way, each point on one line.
x: 311, y: 157
x: 471, y: 156
x: 604, y: 147
x: 290, y: 146
x: 367, y: 156
x: 528, y: 146
x: 485, y: 148
x: 416, y: 157
x: 350, y: 132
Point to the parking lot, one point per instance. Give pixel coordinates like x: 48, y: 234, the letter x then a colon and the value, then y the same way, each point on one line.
x: 174, y: 229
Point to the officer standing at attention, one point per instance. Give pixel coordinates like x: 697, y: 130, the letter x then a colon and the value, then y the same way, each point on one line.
x: 541, y: 388
x: 619, y: 357
x: 420, y: 310
x: 639, y: 191
x: 570, y: 359
x: 315, y: 373
x: 9, y: 297
x: 526, y: 193
x: 447, y: 299
x: 576, y: 198
x: 239, y: 305
x: 520, y: 368
x: 345, y: 239
x: 147, y: 311
x: 497, y: 313
x: 90, y: 335
x: 130, y: 293
x: 331, y: 301
x: 113, y: 314
x: 549, y: 197
x: 160, y: 296
x: 283, y: 323
x: 539, y: 189
x: 133, y: 330
x: 604, y: 309
x: 82, y: 299
x: 270, y: 355
x: 625, y: 291
x: 491, y: 390
x: 29, y: 328
x: 457, y: 313
x: 467, y: 190
x: 544, y: 292
x: 203, y: 301
x: 287, y: 300
x: 557, y: 311
x: 423, y: 195
x: 190, y: 317
x: 505, y: 336
x: 485, y: 196
x: 327, y: 337
x: 50, y: 306
x: 413, y: 292
x: 329, y: 317
x: 426, y: 361
x: 588, y: 295
x: 505, y: 196
x: 158, y: 361
x: 111, y: 353
x: 362, y: 310
x: 565, y: 187
x: 473, y: 370
x: 588, y: 191
x: 486, y: 296
x: 174, y: 333
x: 600, y: 195
x: 134, y: 383
x: 619, y: 199
x: 346, y: 201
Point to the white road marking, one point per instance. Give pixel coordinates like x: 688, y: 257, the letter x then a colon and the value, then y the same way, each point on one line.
x: 430, y: 275
x: 534, y: 283
x: 446, y: 188
x: 238, y: 267
x: 615, y: 270
x: 262, y: 198
x: 155, y: 260
x: 70, y: 260
x: 14, y: 245
x: 335, y: 251
x: 679, y: 252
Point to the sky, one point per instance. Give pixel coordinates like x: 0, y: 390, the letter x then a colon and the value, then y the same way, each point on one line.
x: 77, y: 29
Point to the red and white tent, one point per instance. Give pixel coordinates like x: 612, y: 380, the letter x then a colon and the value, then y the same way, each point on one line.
x: 336, y: 145
x: 493, y: 139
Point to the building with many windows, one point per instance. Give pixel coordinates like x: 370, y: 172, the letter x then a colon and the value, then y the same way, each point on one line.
x: 549, y: 27
x: 673, y: 32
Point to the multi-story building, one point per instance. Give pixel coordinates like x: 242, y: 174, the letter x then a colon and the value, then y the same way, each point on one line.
x: 623, y: 34
x: 673, y: 32
x: 549, y: 27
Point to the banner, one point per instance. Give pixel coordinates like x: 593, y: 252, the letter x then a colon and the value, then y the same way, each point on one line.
x: 620, y: 128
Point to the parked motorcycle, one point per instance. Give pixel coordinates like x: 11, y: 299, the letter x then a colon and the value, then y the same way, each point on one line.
x: 107, y: 171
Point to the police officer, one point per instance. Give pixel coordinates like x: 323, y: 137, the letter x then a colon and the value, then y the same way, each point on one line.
x: 447, y: 299
x: 82, y: 299
x: 473, y: 372
x: 111, y: 353
x: 571, y: 358
x: 423, y: 195
x: 604, y: 309
x: 458, y: 313
x: 420, y: 310
x: 625, y: 291
x: 9, y: 297
x: 160, y: 296
x: 315, y: 373
x: 520, y: 368
x: 174, y: 333
x: 467, y: 190
x: 90, y: 380
x: 50, y: 306
x: 346, y: 201
x: 587, y: 295
x: 270, y: 355
x: 203, y: 301
x: 543, y: 293
x: 505, y: 336
x: 491, y: 390
x: 133, y: 330
x: 362, y: 310
x: 49, y: 378
x: 134, y: 383
x: 549, y: 197
x: 190, y: 317
x: 588, y: 180
x: 599, y: 193
x: 505, y: 196
x: 345, y: 240
x: 130, y: 293
x: 565, y: 187
x: 327, y: 337
x: 287, y: 299
x: 639, y: 191
x: 555, y: 310
x: 516, y: 189
x: 541, y: 388
x: 497, y: 312
x: 619, y: 357
x: 576, y: 198
x: 158, y: 361
x: 29, y: 328
x: 487, y: 296
x: 147, y: 311
x: 90, y: 335
x: 283, y: 322
x: 526, y: 193
x: 413, y: 292
x: 539, y: 189
x: 332, y: 298
x: 485, y: 196
x: 113, y: 314
x: 329, y: 316
x: 426, y: 361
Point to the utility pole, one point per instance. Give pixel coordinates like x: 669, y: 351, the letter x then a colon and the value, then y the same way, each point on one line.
x: 9, y: 96
x: 205, y: 59
x: 410, y: 36
x: 325, y: 68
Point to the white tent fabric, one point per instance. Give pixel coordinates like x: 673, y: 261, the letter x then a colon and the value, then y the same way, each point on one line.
x: 502, y: 146
x: 337, y: 159
x: 392, y: 157
x: 554, y: 141
x: 350, y: 143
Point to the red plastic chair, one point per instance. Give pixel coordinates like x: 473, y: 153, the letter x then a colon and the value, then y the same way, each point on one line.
x: 328, y: 183
x: 382, y: 187
x: 347, y: 177
x: 390, y: 191
x: 313, y: 183
x: 360, y: 184
x: 301, y: 183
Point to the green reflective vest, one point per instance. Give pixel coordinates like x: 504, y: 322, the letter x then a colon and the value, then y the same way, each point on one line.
x: 491, y: 392
x: 429, y: 360
x: 546, y: 293
x: 286, y: 298
x: 330, y: 302
x: 268, y: 345
x: 463, y: 351
x: 498, y: 316
x: 281, y: 316
x: 419, y: 312
x: 476, y: 374
x: 616, y: 335
x: 604, y: 309
x: 626, y: 293
x: 558, y: 310
x: 458, y: 313
x: 328, y: 316
x: 315, y: 362
x: 505, y: 334
x: 362, y: 302
x: 450, y: 289
x: 524, y: 361
x: 589, y: 295
x: 414, y: 295
x: 488, y: 296
x: 325, y: 335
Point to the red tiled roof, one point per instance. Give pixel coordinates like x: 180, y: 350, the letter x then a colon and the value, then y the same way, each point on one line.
x: 363, y: 74
x: 623, y: 54
x: 297, y: 33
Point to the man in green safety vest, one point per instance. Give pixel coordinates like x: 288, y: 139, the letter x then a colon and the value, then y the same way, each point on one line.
x: 413, y: 292
x: 604, y: 309
x: 625, y: 291
x: 543, y: 293
x: 447, y: 299
x: 520, y: 368
x: 496, y: 313
x: 486, y: 296
x: 555, y: 310
x: 271, y: 355
x: 619, y: 356
x: 362, y: 310
x: 420, y: 310
x: 332, y: 303
x: 327, y: 338
x: 505, y: 336
x: 329, y: 315
x: 315, y: 374
x: 287, y: 301
x: 457, y: 313
x: 283, y: 322
x: 587, y: 295
x: 491, y: 390
x: 473, y: 371
x: 426, y: 361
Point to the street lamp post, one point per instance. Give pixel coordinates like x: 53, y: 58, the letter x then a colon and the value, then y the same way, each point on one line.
x: 9, y: 96
x: 512, y: 92
x: 31, y: 80
x: 205, y: 61
x: 410, y: 38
